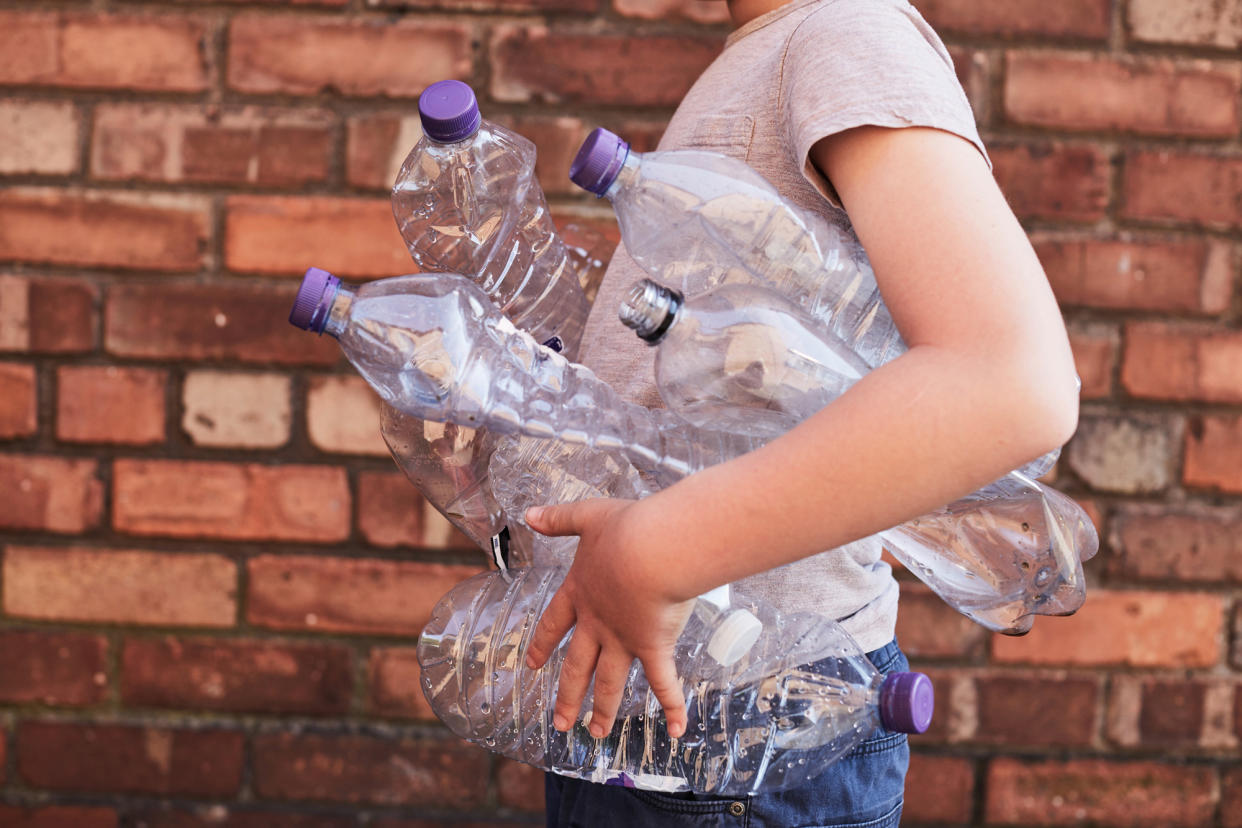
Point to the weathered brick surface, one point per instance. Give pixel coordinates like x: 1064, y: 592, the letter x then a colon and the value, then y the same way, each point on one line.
x: 119, y: 586
x: 47, y: 315
x: 368, y: 57
x: 223, y: 409
x: 343, y: 416
x: 107, y: 404
x: 98, y: 229
x: 104, y: 51
x: 1099, y: 792
x: 938, y: 789
x: 1165, y: 361
x: 1196, y: 544
x: 216, y: 322
x: 1183, y: 187
x: 363, y: 769
x: 52, y: 668
x: 129, y: 759
x: 520, y: 786
x: 392, y: 514
x: 1213, y: 453
x: 245, y: 145
x: 227, y: 500
x: 236, y: 675
x: 1053, y: 180
x: 39, y: 137
x: 700, y: 11
x: 927, y: 627
x: 394, y: 679
x: 348, y: 236
x: 52, y: 494
x: 299, y: 592
x: 534, y: 62
x: 1215, y: 23
x: 1086, y: 19
x: 1148, y: 96
x: 1189, y: 276
x: 228, y: 816
x: 1055, y: 710
x: 1096, y: 349
x: 19, y: 401
x: 1231, y: 798
x: 1130, y: 455
x: 377, y: 144
x: 57, y: 816
x: 1126, y: 627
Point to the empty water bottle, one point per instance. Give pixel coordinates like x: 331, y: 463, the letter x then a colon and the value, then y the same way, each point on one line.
x: 771, y: 699
x: 695, y: 219
x: 747, y: 358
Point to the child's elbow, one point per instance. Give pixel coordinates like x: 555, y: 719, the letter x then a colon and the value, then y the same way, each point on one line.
x: 1050, y: 417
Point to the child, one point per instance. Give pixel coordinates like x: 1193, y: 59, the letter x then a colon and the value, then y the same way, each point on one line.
x: 852, y: 108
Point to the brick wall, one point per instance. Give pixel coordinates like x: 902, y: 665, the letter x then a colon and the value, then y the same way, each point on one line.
x: 212, y: 576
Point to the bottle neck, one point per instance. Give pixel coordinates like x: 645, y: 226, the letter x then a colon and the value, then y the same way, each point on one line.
x: 626, y: 176
x: 338, y: 311
x: 650, y: 310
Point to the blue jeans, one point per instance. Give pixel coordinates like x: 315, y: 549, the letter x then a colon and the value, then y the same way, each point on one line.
x: 863, y: 790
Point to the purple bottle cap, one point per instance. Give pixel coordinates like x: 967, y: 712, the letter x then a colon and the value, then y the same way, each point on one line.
x: 314, y: 300
x: 907, y: 702
x: 449, y: 111
x: 598, y: 161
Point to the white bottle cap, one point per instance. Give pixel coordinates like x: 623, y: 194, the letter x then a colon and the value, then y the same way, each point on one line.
x: 733, y: 639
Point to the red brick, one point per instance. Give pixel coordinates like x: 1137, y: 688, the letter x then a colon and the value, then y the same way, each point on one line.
x: 110, y: 404
x: 1147, y: 96
x: 1085, y: 19
x: 502, y: 6
x: 1190, y: 22
x: 1095, y: 353
x: 348, y: 236
x: 927, y: 627
x: 228, y: 816
x: 1213, y: 453
x: 95, y: 229
x: 1231, y: 798
x: 52, y: 494
x: 120, y: 586
x: 49, y: 315
x: 520, y: 786
x: 236, y: 676
x: 531, y: 62
x: 699, y: 11
x: 38, y: 137
x: 1053, y: 180
x: 57, y: 816
x: 364, y: 769
x: 1099, y: 792
x: 129, y: 759
x: 1190, y: 276
x: 235, y: 410
x: 1172, y: 712
x: 19, y: 404
x: 557, y: 140
x: 301, y: 592
x: 1134, y: 454
x: 1125, y: 627
x: 1166, y: 361
x: 392, y: 513
x: 939, y: 789
x: 104, y: 51
x: 240, y: 145
x: 1189, y: 543
x: 307, y: 55
x: 1036, y: 710
x: 343, y: 416
x: 227, y: 500
x: 1203, y: 189
x: 376, y: 145
x: 210, y: 322
x: 54, y: 668
x: 394, y: 677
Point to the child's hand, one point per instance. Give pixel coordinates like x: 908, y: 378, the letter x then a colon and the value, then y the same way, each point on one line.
x: 616, y: 598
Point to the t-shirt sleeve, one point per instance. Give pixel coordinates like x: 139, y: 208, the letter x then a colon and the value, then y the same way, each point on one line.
x: 854, y: 63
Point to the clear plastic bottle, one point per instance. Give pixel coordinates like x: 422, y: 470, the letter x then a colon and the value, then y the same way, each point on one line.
x: 467, y: 201
x: 766, y: 716
x: 744, y: 357
x: 695, y: 220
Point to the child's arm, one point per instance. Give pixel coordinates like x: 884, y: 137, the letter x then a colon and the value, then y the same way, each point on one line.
x: 987, y: 384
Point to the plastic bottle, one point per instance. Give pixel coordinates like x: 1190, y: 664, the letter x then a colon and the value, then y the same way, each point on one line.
x: 467, y: 201
x: 746, y: 358
x: 796, y: 699
x: 695, y: 220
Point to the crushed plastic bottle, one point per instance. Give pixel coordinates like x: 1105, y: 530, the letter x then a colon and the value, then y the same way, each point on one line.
x: 772, y: 700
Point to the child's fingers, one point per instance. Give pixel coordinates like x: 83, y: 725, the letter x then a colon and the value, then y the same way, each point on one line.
x: 611, y: 673
x: 558, y: 618
x: 580, y: 656
x: 562, y: 519
x: 662, y: 677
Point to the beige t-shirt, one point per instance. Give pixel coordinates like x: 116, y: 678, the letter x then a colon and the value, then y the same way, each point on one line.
x: 785, y: 80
